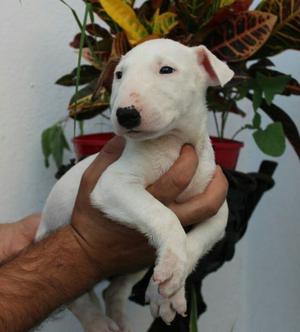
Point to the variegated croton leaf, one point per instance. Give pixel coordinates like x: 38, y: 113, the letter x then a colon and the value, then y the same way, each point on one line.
x: 227, y: 11
x: 125, y: 16
x: 82, y: 106
x: 286, y: 33
x: 241, y: 36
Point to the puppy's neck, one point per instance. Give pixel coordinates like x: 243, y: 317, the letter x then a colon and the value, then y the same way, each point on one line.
x: 193, y: 127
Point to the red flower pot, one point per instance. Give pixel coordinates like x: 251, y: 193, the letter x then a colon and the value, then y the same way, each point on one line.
x: 87, y: 145
x: 226, y: 150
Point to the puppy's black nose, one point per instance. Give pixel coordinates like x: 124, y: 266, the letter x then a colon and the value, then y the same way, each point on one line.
x: 128, y: 117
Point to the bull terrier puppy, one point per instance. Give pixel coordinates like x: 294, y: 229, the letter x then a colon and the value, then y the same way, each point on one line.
x: 158, y: 104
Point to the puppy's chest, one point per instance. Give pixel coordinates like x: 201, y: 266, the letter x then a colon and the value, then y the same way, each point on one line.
x: 154, y: 160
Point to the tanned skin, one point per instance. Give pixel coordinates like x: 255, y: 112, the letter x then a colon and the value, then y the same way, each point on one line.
x: 64, y: 265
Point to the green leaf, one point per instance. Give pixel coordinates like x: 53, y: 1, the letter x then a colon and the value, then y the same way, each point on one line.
x: 278, y: 115
x: 87, y: 74
x: 46, y: 148
x: 193, y: 317
x: 256, y: 121
x: 292, y: 87
x: 257, y: 96
x: 53, y: 144
x: 272, y: 85
x: 271, y: 140
x: 162, y: 24
x: 57, y: 146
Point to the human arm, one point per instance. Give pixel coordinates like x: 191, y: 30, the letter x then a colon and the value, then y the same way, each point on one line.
x: 68, y: 262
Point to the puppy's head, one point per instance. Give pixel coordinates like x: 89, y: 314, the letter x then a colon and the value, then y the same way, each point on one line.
x: 157, y: 82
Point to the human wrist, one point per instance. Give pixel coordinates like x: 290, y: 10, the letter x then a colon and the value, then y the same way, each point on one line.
x: 90, y: 253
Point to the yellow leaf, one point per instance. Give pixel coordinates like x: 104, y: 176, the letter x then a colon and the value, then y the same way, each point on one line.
x: 164, y: 23
x: 224, y: 3
x: 129, y: 2
x: 126, y: 18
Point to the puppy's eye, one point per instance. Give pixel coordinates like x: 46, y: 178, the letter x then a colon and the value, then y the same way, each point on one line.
x: 166, y: 70
x: 119, y: 75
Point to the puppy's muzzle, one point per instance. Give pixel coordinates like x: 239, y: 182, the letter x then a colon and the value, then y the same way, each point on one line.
x: 128, y: 117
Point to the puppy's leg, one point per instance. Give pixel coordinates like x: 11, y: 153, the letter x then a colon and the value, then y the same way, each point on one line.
x: 199, y: 241
x: 116, y: 295
x: 205, y: 235
x: 88, y: 310
x: 128, y: 202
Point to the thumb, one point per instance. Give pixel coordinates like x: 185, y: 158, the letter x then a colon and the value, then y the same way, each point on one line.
x: 109, y: 154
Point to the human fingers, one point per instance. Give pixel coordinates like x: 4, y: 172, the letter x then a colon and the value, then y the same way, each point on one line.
x: 109, y: 154
x: 204, y: 205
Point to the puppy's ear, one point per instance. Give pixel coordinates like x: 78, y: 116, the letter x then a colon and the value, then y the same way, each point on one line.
x: 218, y: 72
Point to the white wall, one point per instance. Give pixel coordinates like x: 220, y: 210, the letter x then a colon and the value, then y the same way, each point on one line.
x: 258, y: 290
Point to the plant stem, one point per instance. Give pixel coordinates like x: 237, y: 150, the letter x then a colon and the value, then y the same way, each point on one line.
x: 216, y: 123
x: 223, y: 123
x: 81, y: 43
x: 81, y: 127
x: 238, y: 131
x: 194, y: 314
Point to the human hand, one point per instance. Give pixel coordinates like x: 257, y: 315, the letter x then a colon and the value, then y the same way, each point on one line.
x: 16, y: 236
x: 117, y: 249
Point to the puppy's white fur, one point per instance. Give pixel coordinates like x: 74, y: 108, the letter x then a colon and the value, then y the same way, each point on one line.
x: 173, y: 112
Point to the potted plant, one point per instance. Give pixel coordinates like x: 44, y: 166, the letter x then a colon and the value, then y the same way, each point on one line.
x: 244, y: 38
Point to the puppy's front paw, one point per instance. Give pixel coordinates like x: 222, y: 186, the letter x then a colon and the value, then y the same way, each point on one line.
x: 165, y: 308
x: 171, y: 270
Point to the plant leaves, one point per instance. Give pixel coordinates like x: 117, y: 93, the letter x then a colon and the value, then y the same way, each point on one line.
x: 286, y: 33
x: 126, y: 18
x: 46, y: 134
x: 82, y: 106
x: 217, y: 103
x: 240, y: 37
x: 120, y: 45
x: 226, y: 2
x: 228, y: 11
x: 106, y: 78
x: 272, y: 85
x: 162, y: 24
x: 261, y: 64
x: 75, y: 43
x: 97, y: 31
x: 87, y: 74
x: 271, y: 140
x: 53, y: 143
x: 291, y: 88
x: 256, y: 121
x: 289, y: 127
x: 257, y: 96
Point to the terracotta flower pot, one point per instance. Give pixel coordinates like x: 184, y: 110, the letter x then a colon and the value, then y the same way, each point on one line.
x: 87, y: 145
x: 226, y: 151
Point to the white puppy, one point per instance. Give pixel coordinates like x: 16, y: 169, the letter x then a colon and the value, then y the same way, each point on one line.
x: 158, y: 104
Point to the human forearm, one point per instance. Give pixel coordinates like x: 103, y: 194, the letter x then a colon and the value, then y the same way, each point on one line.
x: 42, y: 278
x: 70, y: 261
